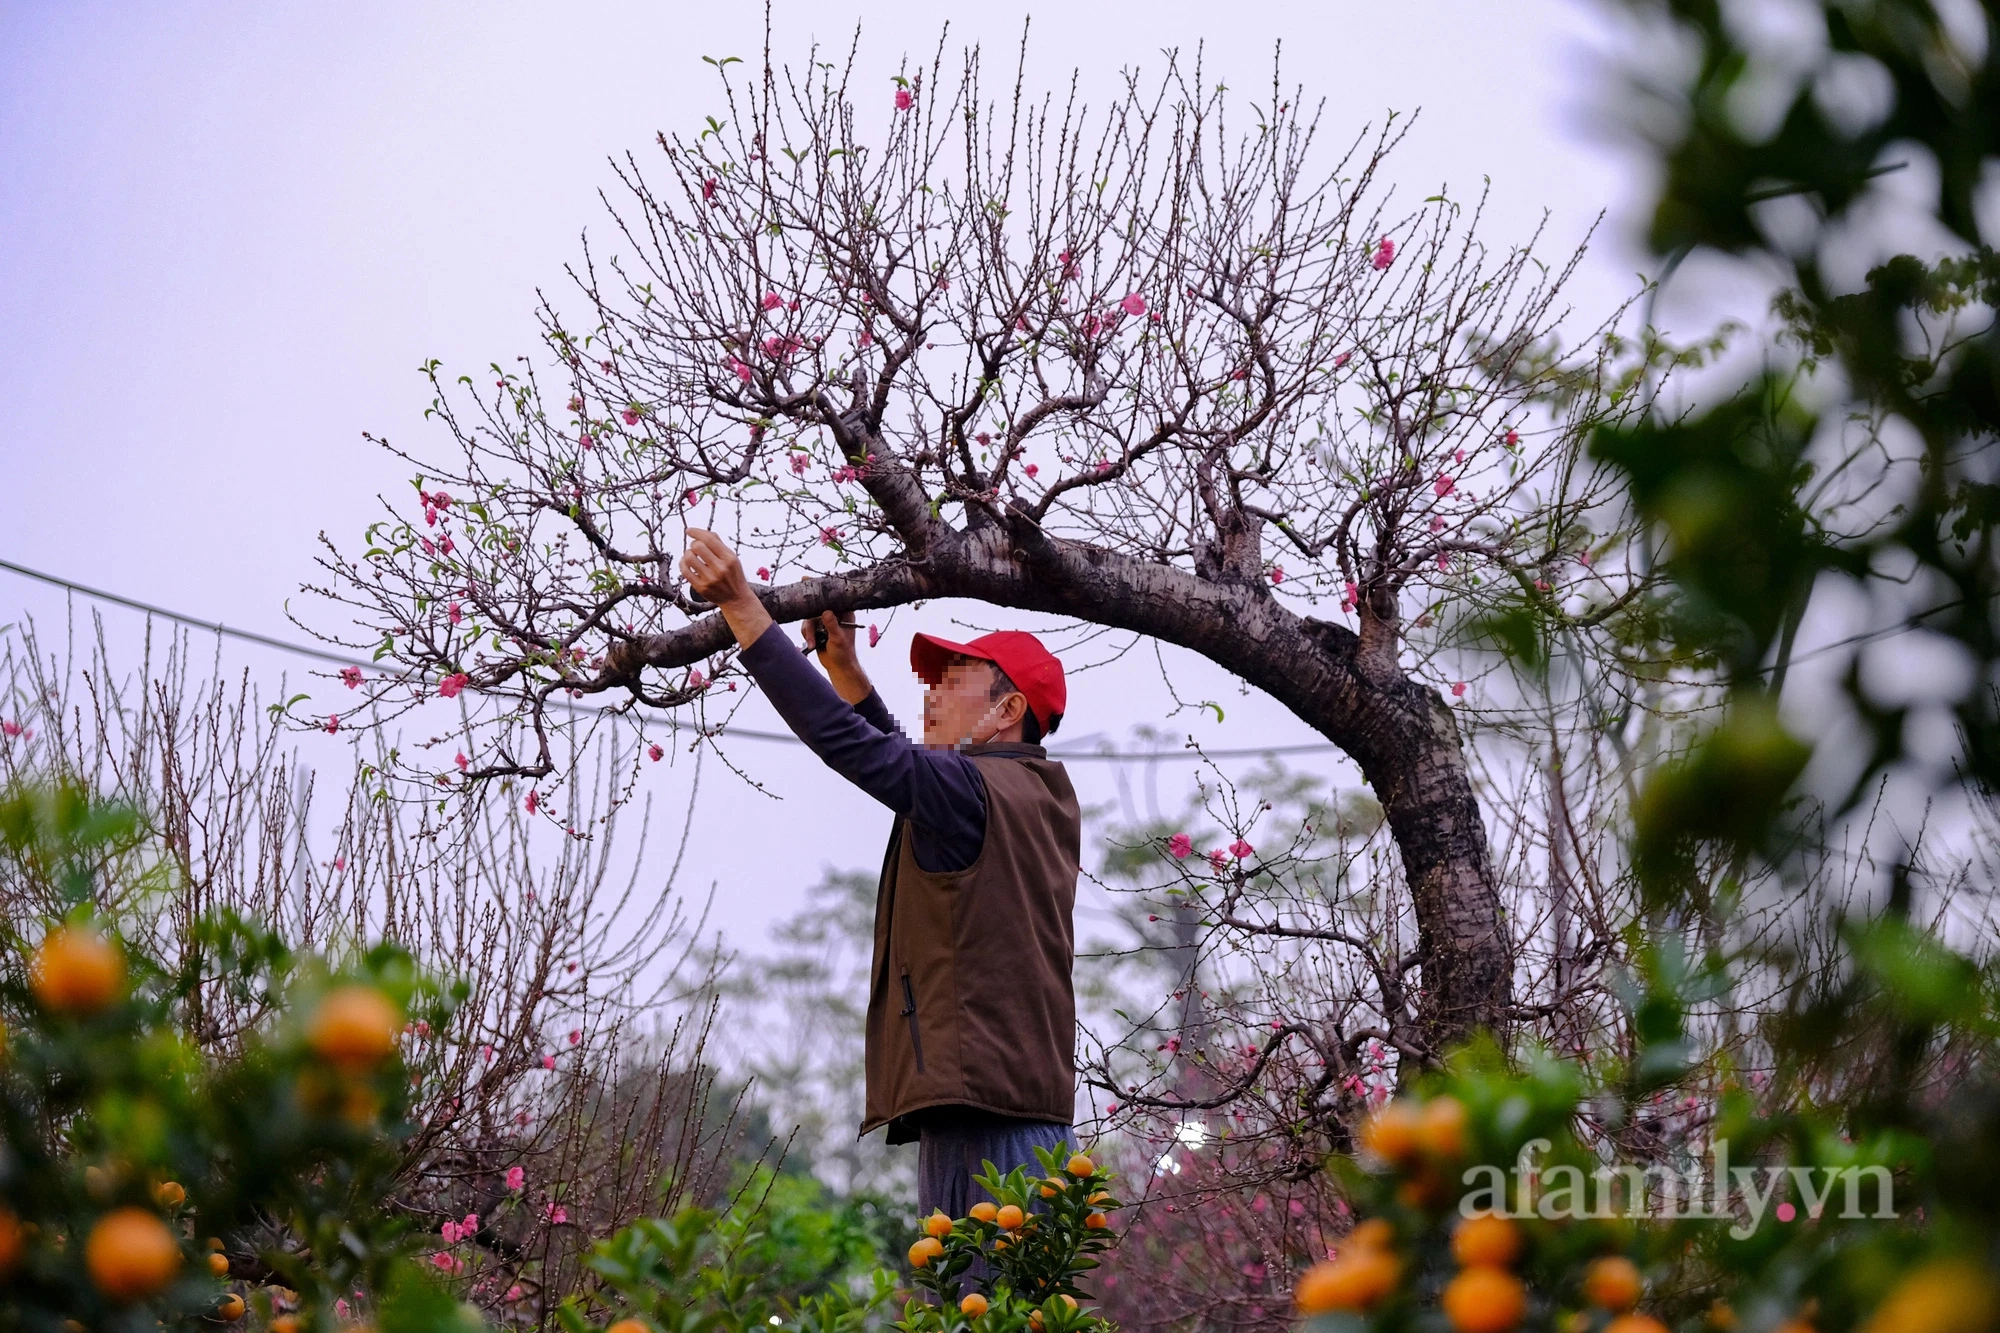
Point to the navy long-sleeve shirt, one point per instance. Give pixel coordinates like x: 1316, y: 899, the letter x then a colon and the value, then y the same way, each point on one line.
x: 939, y: 792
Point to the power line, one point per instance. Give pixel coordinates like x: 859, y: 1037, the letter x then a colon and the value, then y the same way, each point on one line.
x: 213, y: 627
x: 745, y: 733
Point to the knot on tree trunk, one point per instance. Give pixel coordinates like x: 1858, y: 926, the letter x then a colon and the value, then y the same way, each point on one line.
x: 1234, y: 554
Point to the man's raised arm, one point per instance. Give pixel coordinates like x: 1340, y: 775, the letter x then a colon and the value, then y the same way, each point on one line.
x: 939, y: 790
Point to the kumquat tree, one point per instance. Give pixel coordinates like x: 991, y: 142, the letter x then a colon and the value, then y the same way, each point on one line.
x: 141, y: 1175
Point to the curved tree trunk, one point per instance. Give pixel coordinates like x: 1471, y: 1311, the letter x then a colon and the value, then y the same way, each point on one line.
x: 1349, y: 687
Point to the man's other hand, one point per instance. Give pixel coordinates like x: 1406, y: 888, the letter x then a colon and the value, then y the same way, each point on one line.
x: 843, y: 667
x: 839, y: 639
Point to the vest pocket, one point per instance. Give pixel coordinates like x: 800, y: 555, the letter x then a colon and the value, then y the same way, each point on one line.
x: 910, y: 1012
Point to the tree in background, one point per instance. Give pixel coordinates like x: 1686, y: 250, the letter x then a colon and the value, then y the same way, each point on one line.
x: 804, y: 1048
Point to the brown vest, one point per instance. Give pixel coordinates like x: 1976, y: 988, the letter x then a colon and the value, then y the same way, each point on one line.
x: 970, y: 1001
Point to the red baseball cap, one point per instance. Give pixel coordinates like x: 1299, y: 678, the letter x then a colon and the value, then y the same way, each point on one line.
x: 1034, y: 669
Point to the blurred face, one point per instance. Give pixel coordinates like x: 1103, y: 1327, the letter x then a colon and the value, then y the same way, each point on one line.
x: 957, y: 710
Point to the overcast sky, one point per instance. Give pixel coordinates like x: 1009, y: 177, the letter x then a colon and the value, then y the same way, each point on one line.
x: 230, y: 234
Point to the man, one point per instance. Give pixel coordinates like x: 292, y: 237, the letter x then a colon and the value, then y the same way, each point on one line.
x: 971, y: 1029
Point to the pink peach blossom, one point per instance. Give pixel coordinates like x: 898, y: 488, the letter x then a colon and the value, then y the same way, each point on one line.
x: 332, y: 724
x: 1385, y: 253
x: 903, y: 99
x: 874, y: 635
x: 534, y: 801
x: 1180, y: 846
x: 449, y: 687
x: 1031, y: 469
x: 462, y: 762
x: 1444, y: 485
x: 1342, y: 359
x: 548, y: 1062
x: 1277, y: 573
x: 1458, y: 689
x: 764, y: 573
x: 575, y: 1036
x: 350, y: 677
x: 707, y: 192
x: 557, y: 1214
x: 631, y: 418
x: 454, y: 614
x: 654, y: 753
x: 772, y: 300
x: 1240, y: 849
x: 516, y: 1178
x: 1134, y: 304
x: 742, y: 370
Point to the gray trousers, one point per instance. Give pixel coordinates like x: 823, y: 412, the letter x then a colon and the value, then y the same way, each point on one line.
x: 950, y: 1152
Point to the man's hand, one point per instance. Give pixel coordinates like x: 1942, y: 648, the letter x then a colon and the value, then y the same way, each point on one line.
x: 843, y: 668
x: 839, y: 639
x: 713, y: 571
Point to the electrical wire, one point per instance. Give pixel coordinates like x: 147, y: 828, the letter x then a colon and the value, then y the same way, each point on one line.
x: 743, y: 733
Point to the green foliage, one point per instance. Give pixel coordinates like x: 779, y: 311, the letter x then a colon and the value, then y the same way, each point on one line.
x: 1729, y: 788
x: 1748, y: 526
x: 1894, y: 1199
x: 801, y: 1239
x: 700, y: 1272
x: 784, y: 1258
x: 106, y: 1102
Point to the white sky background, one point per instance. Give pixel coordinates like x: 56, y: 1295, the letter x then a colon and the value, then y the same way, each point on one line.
x: 229, y: 235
